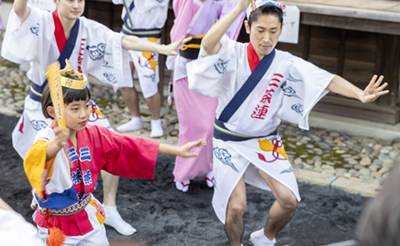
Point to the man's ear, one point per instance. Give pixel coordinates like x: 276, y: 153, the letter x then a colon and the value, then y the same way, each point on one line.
x: 246, y: 25
x: 51, y: 112
x: 56, y: 3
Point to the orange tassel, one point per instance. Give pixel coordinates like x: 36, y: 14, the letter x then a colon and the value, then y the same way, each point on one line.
x: 56, y: 237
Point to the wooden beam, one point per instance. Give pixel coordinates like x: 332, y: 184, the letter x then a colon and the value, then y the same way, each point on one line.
x: 349, y: 23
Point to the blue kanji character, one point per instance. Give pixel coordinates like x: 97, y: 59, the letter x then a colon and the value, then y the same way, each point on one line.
x: 85, y: 154
x: 87, y: 177
x: 72, y: 155
x: 76, y: 176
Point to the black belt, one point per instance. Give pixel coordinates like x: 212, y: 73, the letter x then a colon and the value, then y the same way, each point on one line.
x: 36, y: 91
x: 224, y: 134
x: 142, y: 33
x: 191, y: 49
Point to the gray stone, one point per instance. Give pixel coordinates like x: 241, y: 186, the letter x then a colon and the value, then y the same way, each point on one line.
x: 364, y: 171
x: 394, y: 154
x: 377, y: 147
x: 318, y: 164
x: 367, y: 178
x: 384, y: 170
x: 376, y: 174
x: 365, y: 161
x: 310, y: 161
x: 386, y: 149
x: 387, y: 163
x: 358, y: 167
x: 317, y: 158
x: 373, y: 168
x: 384, y: 157
x: 334, y: 134
x: 327, y: 167
x: 307, y: 166
x: 377, y: 162
x: 353, y: 162
x: 378, y: 181
x: 353, y: 172
x: 298, y: 161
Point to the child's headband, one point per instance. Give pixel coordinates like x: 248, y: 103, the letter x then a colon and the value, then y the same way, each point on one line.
x: 72, y: 83
x: 259, y: 3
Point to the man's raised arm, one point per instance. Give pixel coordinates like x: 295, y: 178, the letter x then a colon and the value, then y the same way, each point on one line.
x: 211, y: 42
x: 21, y: 9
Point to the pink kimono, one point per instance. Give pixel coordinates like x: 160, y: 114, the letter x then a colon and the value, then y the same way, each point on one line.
x: 196, y: 113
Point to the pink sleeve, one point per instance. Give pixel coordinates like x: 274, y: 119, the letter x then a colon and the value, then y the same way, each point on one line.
x: 234, y: 29
x: 126, y: 155
x: 183, y: 15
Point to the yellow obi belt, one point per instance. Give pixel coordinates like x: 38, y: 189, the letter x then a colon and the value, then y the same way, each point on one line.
x: 191, y: 49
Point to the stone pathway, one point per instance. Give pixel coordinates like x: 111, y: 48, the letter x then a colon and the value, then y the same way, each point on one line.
x: 353, y: 163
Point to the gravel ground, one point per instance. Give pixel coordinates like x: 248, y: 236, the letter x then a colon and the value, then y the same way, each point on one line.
x: 164, y: 216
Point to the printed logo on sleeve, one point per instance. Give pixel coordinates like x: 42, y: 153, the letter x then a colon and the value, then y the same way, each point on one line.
x: 221, y: 66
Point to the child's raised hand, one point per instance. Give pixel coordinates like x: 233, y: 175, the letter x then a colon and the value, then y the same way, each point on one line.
x: 61, y: 136
x: 184, y: 150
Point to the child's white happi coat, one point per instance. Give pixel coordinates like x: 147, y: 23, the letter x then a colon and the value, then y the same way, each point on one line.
x: 96, y: 51
x: 287, y: 91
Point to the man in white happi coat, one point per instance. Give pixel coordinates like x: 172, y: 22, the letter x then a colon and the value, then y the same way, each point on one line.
x: 258, y: 86
x: 144, y: 19
x: 41, y: 38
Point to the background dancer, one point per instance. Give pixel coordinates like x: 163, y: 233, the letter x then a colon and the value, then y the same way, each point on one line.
x: 257, y: 86
x: 148, y: 17
x: 195, y: 112
x: 63, y: 165
x: 40, y: 38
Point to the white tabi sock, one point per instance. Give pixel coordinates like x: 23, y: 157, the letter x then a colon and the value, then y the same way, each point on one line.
x: 156, y: 129
x: 113, y: 219
x: 258, y: 238
x: 183, y: 186
x: 210, y: 179
x: 134, y: 124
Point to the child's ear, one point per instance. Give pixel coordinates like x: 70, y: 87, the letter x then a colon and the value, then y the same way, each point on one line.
x: 51, y: 112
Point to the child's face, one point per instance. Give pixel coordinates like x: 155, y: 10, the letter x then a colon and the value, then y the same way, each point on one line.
x: 77, y: 115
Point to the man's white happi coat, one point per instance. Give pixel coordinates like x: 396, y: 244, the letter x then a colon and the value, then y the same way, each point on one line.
x: 97, y: 51
x: 287, y: 91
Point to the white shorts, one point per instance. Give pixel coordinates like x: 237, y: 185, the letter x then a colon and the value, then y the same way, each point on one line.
x: 146, y: 67
x: 97, y: 237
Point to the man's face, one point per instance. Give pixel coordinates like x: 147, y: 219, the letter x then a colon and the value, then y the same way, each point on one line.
x: 70, y: 9
x: 264, y: 33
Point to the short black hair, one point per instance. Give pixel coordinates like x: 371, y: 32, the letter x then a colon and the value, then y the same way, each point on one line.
x: 267, y: 9
x: 70, y: 95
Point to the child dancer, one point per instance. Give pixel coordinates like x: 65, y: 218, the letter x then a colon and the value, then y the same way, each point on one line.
x: 63, y: 166
x: 40, y: 38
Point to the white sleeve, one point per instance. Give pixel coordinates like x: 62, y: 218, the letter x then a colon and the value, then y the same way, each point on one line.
x: 21, y: 41
x: 117, y: 2
x: 208, y: 75
x: 146, y: 5
x: 105, y: 57
x: 305, y: 86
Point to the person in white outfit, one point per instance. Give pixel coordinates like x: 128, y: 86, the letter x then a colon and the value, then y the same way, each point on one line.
x: 145, y: 20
